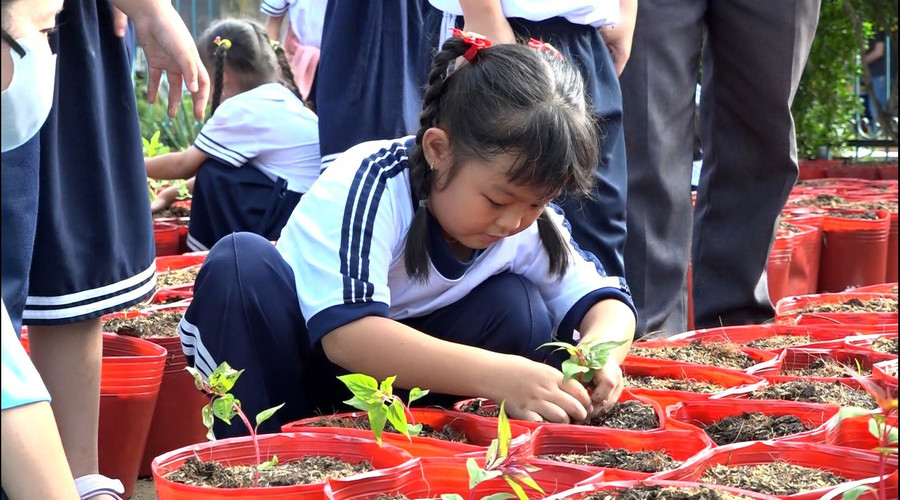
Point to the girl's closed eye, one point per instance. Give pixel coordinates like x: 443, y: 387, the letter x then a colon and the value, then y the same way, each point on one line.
x: 495, y: 203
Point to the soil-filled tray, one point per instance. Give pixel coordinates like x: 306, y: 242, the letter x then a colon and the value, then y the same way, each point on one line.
x: 813, y: 391
x: 885, y: 344
x: 445, y: 433
x: 754, y: 426
x: 853, y: 305
x: 629, y: 414
x: 697, y: 352
x: 157, y: 324
x: 673, y: 384
x: 638, y: 461
x: 652, y: 492
x: 777, y: 478
x: 780, y: 341
x: 174, y: 211
x: 177, y: 276
x: 308, y: 470
x: 826, y: 368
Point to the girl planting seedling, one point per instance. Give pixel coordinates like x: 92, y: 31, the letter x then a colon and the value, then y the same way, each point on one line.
x: 437, y: 258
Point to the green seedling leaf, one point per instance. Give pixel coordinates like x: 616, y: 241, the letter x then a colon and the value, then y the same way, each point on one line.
x: 223, y: 408
x: 855, y: 492
x: 266, y: 414
x: 598, y: 352
x: 362, y: 386
x: 387, y: 386
x: 359, y: 404
x: 377, y: 419
x: 517, y: 488
x: 571, y: 369
x: 560, y: 346
x: 269, y: 464
x: 490, y: 459
x: 414, y: 430
x: 198, y: 379
x: 451, y: 496
x: 208, y: 420
x: 892, y: 435
x: 416, y: 393
x: 499, y: 496
x: 504, y: 434
x: 873, y: 428
x: 529, y: 481
x: 223, y: 378
x: 397, y: 417
x: 852, y: 411
x: 477, y: 475
x: 885, y: 450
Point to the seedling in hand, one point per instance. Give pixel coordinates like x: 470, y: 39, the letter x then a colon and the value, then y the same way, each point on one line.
x: 499, y: 462
x: 381, y: 404
x: 225, y: 406
x: 586, y: 358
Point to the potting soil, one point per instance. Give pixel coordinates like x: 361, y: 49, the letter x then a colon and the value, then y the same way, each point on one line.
x: 753, y: 426
x: 632, y: 415
x: 177, y: 276
x: 158, y: 324
x: 813, y: 391
x: 308, y: 470
x: 879, y: 304
x: 639, y: 461
x: 672, y: 384
x: 778, y: 478
x: 779, y: 341
x: 824, y: 367
x: 477, y: 407
x: 173, y: 212
x: 665, y: 493
x: 885, y: 344
x: 713, y: 354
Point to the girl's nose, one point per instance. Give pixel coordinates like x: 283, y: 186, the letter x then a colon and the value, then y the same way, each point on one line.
x: 509, y: 221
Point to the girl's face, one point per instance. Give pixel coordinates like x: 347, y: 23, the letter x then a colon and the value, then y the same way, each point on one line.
x: 30, y: 19
x: 479, y: 205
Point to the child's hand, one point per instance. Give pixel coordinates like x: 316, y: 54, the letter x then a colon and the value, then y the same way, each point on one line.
x: 535, y: 391
x: 608, y: 384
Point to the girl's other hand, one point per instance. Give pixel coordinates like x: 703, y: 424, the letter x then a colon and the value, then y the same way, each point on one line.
x: 536, y: 392
x: 608, y: 385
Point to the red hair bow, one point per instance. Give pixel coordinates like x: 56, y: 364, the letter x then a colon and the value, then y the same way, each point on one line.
x: 476, y: 42
x: 546, y: 47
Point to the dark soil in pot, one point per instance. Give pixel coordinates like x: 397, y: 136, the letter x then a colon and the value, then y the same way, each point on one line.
x: 177, y: 276
x: 813, y: 391
x: 632, y: 415
x: 824, y: 367
x: 885, y: 344
x: 753, y: 426
x: 880, y: 304
x: 158, y: 324
x: 779, y: 341
x: 779, y: 478
x: 447, y: 433
x: 724, y: 355
x: 672, y: 384
x: 173, y: 211
x: 638, y: 461
x: 309, y: 470
x: 665, y: 493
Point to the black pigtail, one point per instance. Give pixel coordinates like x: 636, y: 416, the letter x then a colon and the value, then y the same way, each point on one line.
x: 218, y: 78
x: 554, y: 244
x: 287, y: 75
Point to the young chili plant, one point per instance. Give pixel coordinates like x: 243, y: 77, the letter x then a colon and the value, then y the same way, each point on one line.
x: 879, y: 428
x: 382, y: 405
x: 224, y: 406
x: 500, y: 462
x: 585, y: 358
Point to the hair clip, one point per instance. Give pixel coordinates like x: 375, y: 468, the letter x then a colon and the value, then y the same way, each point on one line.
x: 423, y: 203
x: 476, y: 42
x: 222, y: 42
x: 544, y: 47
x: 275, y: 44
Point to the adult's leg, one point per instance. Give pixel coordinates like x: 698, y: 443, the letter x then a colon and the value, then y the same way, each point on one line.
x: 658, y: 89
x: 752, y: 65
x: 245, y: 312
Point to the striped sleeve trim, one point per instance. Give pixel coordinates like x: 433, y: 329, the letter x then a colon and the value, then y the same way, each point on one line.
x: 360, y: 213
x: 219, y: 152
x: 272, y: 10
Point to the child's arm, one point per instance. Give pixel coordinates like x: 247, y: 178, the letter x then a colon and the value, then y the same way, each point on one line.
x: 609, y: 320
x: 382, y: 347
x: 167, y: 196
x: 180, y: 165
x: 273, y: 26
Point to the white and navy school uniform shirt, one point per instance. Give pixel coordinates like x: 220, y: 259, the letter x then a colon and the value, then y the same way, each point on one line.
x: 306, y: 17
x: 269, y: 128
x: 345, y: 243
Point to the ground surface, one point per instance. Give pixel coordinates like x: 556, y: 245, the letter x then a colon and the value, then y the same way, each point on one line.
x: 144, y: 490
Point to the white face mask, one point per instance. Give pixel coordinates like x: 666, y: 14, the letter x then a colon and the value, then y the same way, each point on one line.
x: 29, y: 97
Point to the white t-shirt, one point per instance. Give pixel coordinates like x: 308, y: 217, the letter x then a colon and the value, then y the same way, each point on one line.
x: 594, y: 13
x: 20, y: 381
x: 269, y: 128
x: 345, y: 243
x: 306, y: 17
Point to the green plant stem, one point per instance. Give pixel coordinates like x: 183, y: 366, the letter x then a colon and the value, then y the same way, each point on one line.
x: 882, y: 461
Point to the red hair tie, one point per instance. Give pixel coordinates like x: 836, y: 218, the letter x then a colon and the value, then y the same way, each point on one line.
x: 545, y: 47
x: 476, y: 42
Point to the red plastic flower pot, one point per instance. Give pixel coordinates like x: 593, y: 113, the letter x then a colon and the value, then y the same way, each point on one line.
x: 815, y: 169
x: 165, y: 236
x: 855, y: 465
x: 882, y: 288
x: 479, y: 432
x: 865, y: 343
x: 803, y: 269
x: 681, y: 443
x: 779, y: 266
x: 288, y: 447
x: 627, y: 395
x: 599, y: 485
x: 182, y: 223
x: 788, y: 310
x: 800, y: 358
x: 130, y: 376
x: 820, y: 336
x: 734, y: 382
x: 890, y: 200
x: 757, y: 355
x: 432, y: 477
x: 866, y: 171
x: 886, y: 371
x: 854, y: 432
x: 704, y: 413
x: 175, y: 262
x: 854, y: 251
x: 887, y: 171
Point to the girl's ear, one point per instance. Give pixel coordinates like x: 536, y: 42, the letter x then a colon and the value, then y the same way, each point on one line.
x: 436, y: 146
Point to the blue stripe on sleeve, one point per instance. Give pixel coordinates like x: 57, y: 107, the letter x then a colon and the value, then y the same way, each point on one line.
x: 337, y: 316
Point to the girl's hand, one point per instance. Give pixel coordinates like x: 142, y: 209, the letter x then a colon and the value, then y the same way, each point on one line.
x: 608, y: 385
x: 535, y: 391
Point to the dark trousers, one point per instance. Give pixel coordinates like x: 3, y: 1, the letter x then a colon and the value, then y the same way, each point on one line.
x: 245, y: 311
x: 753, y: 58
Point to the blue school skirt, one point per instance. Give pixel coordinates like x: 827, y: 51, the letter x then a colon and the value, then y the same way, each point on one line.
x: 228, y: 200
x: 94, y: 250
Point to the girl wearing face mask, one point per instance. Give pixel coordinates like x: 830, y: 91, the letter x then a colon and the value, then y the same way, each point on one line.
x: 34, y: 464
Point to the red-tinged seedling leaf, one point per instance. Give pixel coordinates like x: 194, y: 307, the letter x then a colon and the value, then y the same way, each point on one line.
x: 517, y: 488
x: 208, y: 420
x: 530, y: 482
x: 477, y: 475
x: 855, y: 492
x: 198, y: 378
x: 416, y: 393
